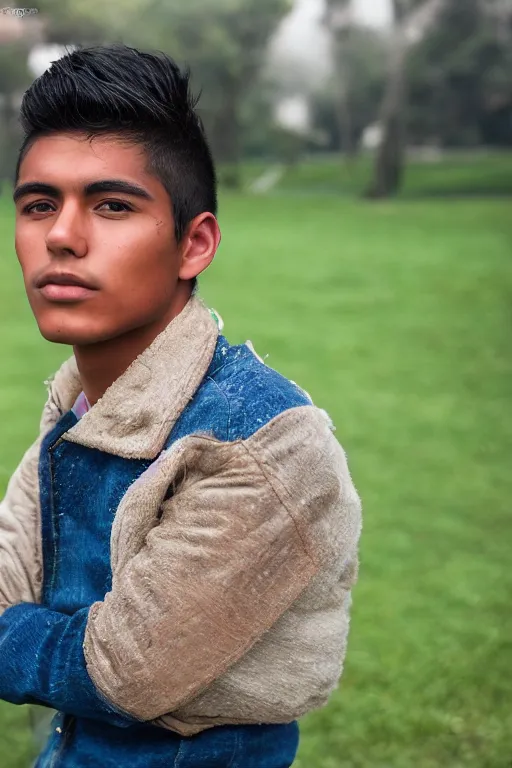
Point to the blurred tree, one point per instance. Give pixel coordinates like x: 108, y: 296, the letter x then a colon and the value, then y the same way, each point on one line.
x: 73, y: 21
x: 223, y: 41
x: 88, y: 22
x: 349, y: 102
x: 225, y: 51
x: 413, y: 19
x: 339, y: 20
x: 460, y: 77
x: 14, y: 78
x: 257, y: 119
x: 17, y: 36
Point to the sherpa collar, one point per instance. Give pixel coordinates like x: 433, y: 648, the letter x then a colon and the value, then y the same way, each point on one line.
x: 137, y: 412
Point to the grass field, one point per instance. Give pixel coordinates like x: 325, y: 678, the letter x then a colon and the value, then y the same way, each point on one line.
x: 456, y: 174
x: 396, y: 318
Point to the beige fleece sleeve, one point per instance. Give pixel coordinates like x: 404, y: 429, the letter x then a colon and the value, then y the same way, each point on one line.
x: 20, y: 536
x: 219, y: 562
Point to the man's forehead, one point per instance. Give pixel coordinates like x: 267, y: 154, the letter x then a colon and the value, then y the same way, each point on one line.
x: 72, y: 164
x: 77, y: 159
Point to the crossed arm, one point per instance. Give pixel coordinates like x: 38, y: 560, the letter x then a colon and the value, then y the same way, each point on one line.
x: 40, y: 650
x: 230, y: 553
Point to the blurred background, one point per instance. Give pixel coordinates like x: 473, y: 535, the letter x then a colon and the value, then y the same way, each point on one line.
x: 364, y: 154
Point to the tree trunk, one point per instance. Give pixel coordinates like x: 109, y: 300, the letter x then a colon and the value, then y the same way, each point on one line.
x: 10, y: 137
x: 344, y: 119
x: 226, y: 135
x: 343, y: 107
x: 390, y: 161
x: 410, y: 26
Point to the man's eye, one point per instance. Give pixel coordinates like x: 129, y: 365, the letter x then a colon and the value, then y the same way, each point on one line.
x: 115, y: 206
x: 37, y: 208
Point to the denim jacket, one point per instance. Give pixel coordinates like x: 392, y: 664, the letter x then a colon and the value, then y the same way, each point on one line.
x: 176, y: 566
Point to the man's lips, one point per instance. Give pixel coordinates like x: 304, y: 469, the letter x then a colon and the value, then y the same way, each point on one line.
x: 55, y: 292
x: 64, y: 287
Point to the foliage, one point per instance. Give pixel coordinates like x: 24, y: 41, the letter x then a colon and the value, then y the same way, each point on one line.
x: 449, y: 83
x: 360, y: 59
x: 460, y: 79
x: 14, y: 72
x: 223, y: 41
x: 14, y: 78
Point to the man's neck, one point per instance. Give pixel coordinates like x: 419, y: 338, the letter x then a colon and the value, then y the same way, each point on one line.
x: 99, y: 365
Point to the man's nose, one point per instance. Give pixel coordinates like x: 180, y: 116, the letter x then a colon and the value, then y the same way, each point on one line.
x: 67, y: 235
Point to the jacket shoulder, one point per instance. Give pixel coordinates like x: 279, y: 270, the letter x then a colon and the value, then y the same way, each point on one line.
x: 238, y: 395
x: 254, y: 393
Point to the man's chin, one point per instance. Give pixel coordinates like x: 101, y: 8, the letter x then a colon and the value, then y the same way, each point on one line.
x: 70, y: 339
x: 73, y: 336
x: 89, y: 328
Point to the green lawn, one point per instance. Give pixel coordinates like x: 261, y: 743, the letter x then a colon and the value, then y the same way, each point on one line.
x: 396, y: 318
x: 458, y: 174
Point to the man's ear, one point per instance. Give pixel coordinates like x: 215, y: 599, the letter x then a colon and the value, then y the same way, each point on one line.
x: 199, y: 245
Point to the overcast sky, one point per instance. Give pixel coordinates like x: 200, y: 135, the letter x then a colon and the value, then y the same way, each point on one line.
x: 303, y: 39
x: 376, y: 12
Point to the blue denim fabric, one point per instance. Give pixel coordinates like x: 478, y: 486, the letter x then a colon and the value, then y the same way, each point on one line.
x: 41, y: 654
x: 83, y: 742
x: 83, y: 487
x: 238, y: 395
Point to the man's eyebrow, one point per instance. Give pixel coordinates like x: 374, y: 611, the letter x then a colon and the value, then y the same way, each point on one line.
x: 94, y: 188
x: 116, y: 185
x: 35, y: 188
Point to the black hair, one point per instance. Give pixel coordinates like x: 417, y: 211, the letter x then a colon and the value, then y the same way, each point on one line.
x: 144, y: 97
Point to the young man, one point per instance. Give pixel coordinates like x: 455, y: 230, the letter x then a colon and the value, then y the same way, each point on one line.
x: 178, y: 546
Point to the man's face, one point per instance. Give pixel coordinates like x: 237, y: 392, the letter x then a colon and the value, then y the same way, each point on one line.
x: 78, y: 221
